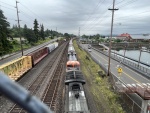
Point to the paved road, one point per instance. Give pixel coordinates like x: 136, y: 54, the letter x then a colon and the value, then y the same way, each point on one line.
x: 128, y: 76
x: 17, y: 55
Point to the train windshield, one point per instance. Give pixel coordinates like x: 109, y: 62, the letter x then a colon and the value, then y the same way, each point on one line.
x: 69, y: 65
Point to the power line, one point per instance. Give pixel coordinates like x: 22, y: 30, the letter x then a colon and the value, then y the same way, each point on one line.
x: 93, y: 12
x: 94, y: 21
x: 7, y: 4
x: 35, y: 14
x: 100, y: 20
x: 8, y: 8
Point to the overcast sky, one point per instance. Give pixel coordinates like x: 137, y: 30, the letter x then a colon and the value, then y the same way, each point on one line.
x: 92, y: 16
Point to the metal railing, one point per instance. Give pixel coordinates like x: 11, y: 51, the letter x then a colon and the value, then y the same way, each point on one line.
x: 139, y: 68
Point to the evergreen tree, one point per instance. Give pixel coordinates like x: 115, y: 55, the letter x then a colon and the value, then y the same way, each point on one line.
x: 36, y: 30
x: 25, y: 32
x: 52, y: 36
x: 47, y: 33
x: 5, y: 45
x: 42, y: 32
x: 29, y: 34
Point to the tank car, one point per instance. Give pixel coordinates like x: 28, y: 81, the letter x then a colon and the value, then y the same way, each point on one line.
x: 72, y: 58
x: 72, y: 65
x: 71, y: 50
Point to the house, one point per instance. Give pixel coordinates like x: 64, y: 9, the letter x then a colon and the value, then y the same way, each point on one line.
x: 124, y: 37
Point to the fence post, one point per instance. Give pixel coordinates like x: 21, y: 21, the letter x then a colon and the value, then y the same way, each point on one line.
x: 144, y: 106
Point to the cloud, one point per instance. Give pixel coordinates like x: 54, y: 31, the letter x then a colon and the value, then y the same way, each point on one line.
x: 92, y: 16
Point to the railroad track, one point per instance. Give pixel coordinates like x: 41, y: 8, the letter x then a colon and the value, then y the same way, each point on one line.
x: 51, y: 92
x: 33, y: 88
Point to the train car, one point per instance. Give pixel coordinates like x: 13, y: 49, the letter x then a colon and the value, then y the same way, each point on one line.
x: 16, y: 68
x: 50, y: 47
x: 72, y: 65
x: 75, y: 97
x: 70, y: 43
x: 72, y: 58
x: 71, y: 50
x: 76, y: 100
x: 38, y: 55
x: 56, y: 44
x: 74, y: 76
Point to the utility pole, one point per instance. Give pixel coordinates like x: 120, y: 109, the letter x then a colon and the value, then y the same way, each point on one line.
x: 56, y: 32
x: 79, y: 34
x: 139, y: 55
x: 19, y: 26
x: 113, y: 9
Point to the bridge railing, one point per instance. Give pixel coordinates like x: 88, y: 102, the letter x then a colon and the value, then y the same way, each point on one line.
x: 139, y: 68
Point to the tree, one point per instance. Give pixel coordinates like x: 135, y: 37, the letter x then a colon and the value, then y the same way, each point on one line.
x: 52, y: 36
x: 42, y: 32
x: 67, y: 35
x: 36, y: 30
x: 25, y: 31
x: 5, y: 45
x: 47, y: 33
x: 29, y: 34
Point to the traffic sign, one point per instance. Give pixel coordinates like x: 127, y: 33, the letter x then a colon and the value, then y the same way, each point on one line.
x: 119, y: 70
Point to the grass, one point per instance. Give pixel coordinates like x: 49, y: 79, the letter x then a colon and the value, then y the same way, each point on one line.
x: 105, y: 99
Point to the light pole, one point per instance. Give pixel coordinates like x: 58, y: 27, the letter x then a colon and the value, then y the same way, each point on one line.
x: 124, y: 53
x: 1, y: 40
x: 140, y: 55
x: 112, y: 20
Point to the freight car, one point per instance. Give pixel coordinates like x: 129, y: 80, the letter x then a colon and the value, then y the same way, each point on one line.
x: 72, y: 58
x: 16, y: 68
x: 75, y: 97
x: 72, y: 65
x: 52, y: 46
x: 71, y: 50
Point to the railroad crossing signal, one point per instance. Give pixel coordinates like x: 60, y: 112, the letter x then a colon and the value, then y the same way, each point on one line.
x: 119, y: 70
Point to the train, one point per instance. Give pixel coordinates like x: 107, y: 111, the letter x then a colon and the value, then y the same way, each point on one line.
x: 72, y: 62
x: 16, y: 68
x: 75, y: 99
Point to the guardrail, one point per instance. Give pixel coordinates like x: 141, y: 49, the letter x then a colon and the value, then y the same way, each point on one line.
x: 140, y: 69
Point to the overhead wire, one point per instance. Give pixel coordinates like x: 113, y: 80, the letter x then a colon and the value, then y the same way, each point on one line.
x: 127, y: 4
x: 7, y: 4
x: 91, y: 14
x: 95, y: 21
x: 7, y: 7
x: 36, y: 15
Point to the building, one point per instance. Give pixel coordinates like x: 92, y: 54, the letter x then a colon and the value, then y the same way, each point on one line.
x: 140, y: 37
x: 124, y: 37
